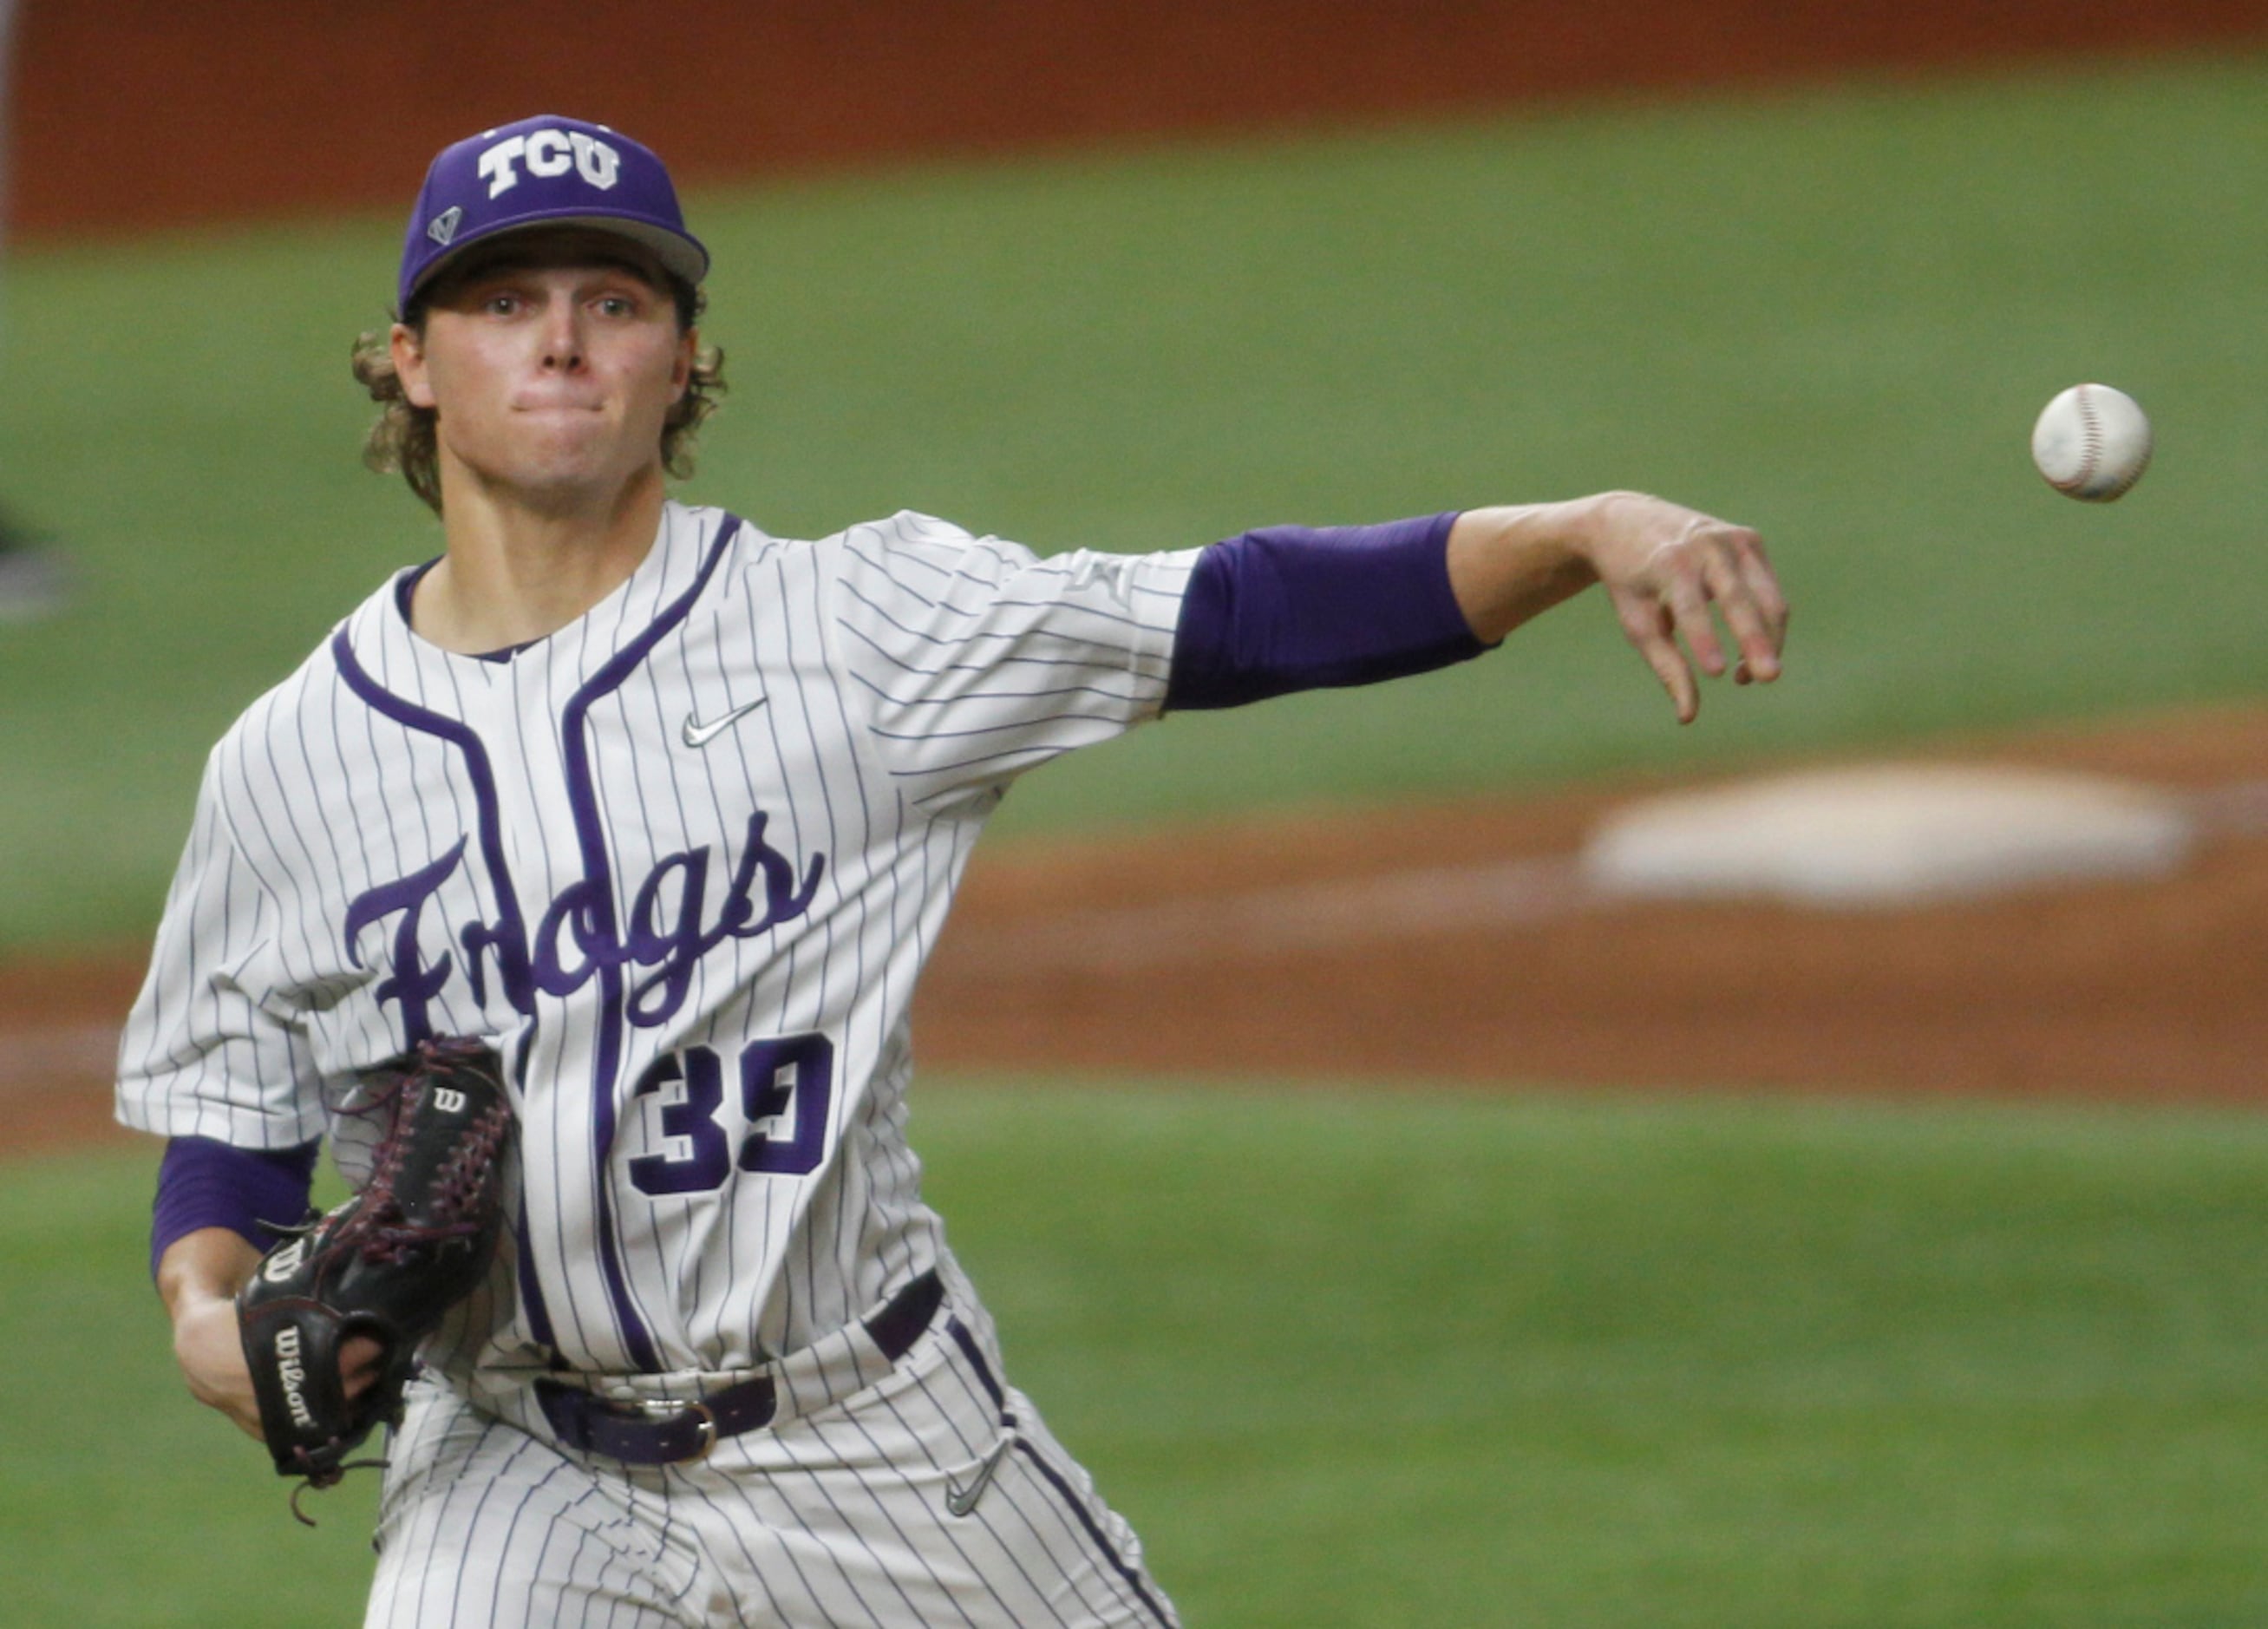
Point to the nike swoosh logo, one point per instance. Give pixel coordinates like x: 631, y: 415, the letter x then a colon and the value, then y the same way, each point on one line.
x: 702, y: 734
x: 961, y: 1498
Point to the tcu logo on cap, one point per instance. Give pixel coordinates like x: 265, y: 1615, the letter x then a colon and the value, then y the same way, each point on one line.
x: 549, y: 152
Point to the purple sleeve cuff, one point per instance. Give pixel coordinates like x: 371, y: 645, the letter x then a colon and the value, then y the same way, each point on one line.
x: 203, y: 1183
x: 1294, y: 607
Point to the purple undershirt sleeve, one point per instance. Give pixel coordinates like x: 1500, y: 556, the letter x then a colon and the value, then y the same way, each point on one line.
x: 1294, y: 607
x: 203, y: 1183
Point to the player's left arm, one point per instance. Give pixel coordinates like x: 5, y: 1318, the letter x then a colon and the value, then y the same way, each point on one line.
x: 1663, y: 566
x: 217, y: 1210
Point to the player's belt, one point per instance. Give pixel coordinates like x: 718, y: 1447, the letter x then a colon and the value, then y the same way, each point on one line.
x: 596, y: 1426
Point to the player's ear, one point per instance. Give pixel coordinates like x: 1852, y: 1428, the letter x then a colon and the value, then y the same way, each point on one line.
x: 409, y: 353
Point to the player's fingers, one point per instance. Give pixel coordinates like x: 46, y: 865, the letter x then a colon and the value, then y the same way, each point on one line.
x: 360, y: 1359
x: 1763, y: 587
x: 1670, y: 666
x: 1687, y: 598
x: 1744, y: 617
x: 1648, y: 625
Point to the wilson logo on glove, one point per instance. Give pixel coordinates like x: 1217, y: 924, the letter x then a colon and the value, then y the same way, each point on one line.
x: 283, y: 1261
x: 290, y: 1372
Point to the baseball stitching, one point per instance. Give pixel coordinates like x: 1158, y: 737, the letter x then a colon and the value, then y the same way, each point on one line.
x: 2091, y: 429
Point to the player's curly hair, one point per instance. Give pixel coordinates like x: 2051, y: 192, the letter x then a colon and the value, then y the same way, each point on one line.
x: 404, y: 438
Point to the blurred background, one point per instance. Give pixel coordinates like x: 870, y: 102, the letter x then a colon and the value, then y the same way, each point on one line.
x: 1464, y: 1151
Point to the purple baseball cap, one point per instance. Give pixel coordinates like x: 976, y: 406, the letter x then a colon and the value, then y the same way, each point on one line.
x: 545, y: 172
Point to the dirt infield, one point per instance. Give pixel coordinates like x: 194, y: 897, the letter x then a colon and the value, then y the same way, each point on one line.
x: 129, y: 115
x: 1291, y: 949
x: 2127, y: 990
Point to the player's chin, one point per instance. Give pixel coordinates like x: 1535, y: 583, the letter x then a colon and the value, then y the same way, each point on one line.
x: 564, y: 448
x: 546, y: 433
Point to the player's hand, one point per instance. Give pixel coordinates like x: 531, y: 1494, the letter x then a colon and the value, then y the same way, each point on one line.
x: 208, y: 1344
x: 1670, y: 571
x: 1665, y: 566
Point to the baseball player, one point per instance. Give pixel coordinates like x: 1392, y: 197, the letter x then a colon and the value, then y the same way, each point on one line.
x: 667, y: 811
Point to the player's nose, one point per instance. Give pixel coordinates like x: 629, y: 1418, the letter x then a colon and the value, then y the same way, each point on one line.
x: 563, y: 339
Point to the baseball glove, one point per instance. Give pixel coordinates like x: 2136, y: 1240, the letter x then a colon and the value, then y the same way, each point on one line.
x: 387, y: 1264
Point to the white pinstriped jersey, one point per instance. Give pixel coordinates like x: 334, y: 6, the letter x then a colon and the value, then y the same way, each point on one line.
x: 681, y: 863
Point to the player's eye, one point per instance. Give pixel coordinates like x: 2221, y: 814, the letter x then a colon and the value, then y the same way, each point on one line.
x: 500, y: 304
x: 617, y: 305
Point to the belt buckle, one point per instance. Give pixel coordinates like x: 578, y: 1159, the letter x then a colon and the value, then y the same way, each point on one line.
x: 662, y: 1413
x: 708, y: 1434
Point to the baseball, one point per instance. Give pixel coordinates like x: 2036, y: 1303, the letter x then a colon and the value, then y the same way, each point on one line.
x: 2092, y: 442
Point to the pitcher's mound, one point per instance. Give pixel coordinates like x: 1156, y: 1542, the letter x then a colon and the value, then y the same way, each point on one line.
x: 1888, y: 835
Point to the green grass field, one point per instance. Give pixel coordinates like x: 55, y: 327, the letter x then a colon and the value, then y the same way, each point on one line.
x: 1832, y: 314
x: 1359, y: 1359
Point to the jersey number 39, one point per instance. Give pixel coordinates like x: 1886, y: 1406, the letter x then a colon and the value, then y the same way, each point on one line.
x: 785, y: 1087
